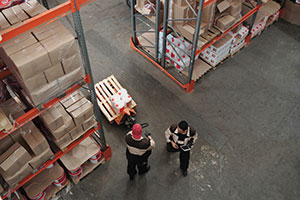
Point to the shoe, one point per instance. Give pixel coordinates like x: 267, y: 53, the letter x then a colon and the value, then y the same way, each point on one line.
x: 144, y: 172
x: 184, y: 172
x: 131, y: 177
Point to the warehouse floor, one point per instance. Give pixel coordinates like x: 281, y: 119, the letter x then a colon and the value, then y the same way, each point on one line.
x: 247, y: 114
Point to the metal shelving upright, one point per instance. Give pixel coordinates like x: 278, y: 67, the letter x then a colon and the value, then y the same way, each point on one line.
x: 159, y: 59
x: 70, y: 6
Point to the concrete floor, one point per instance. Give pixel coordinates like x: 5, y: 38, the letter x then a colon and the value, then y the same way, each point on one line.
x: 247, y: 114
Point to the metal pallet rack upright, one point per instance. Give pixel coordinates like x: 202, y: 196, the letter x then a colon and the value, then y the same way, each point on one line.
x: 159, y: 59
x: 97, y: 132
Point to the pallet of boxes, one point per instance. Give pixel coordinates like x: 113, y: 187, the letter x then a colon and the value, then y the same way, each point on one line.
x: 45, y: 62
x: 23, y: 151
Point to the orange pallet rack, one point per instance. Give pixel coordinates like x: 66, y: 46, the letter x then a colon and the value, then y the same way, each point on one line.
x: 70, y: 6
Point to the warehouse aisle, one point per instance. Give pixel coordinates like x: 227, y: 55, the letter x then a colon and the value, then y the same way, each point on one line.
x: 246, y: 112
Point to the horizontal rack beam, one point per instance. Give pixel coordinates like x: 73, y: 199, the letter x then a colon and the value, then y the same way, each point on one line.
x: 60, y: 10
x: 33, y: 113
x: 57, y: 156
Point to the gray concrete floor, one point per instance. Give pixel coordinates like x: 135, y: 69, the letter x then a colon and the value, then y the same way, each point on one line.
x: 247, y: 114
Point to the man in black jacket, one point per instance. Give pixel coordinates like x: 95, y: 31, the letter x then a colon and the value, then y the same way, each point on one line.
x: 138, y: 151
x: 180, y: 137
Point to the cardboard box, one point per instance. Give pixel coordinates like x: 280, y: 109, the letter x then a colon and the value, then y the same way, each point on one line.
x: 235, y: 8
x: 183, y: 2
x: 88, y: 124
x: 13, y: 159
x: 224, y: 5
x: 180, y: 12
x: 46, y: 30
x: 73, y: 98
x: 49, y: 91
x: 76, y: 132
x: 60, y: 46
x: 35, y: 140
x: 71, y: 63
x: 18, y: 43
x: 5, y: 143
x: 18, y: 11
x: 10, y: 16
x: 67, y: 126
x: 64, y: 141
x: 3, y: 22
x: 81, y: 111
x: 209, y: 14
x: 40, y: 159
x: 80, y: 154
x: 52, y: 118
x: 54, y: 72
x: 18, y: 176
x: 32, y: 8
x: 35, y: 82
x: 291, y: 12
x: 225, y: 22
x: 41, y: 181
x: 12, y: 108
x: 30, y: 61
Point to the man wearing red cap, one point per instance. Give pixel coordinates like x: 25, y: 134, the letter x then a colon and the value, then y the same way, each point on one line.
x: 180, y: 137
x: 138, y: 151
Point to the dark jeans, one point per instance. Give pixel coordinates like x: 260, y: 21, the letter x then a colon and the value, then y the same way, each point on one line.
x: 141, y: 162
x: 184, y: 156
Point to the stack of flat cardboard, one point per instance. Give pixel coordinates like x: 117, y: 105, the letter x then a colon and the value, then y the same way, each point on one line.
x: 22, y: 151
x: 238, y: 38
x: 69, y: 119
x: 40, y: 182
x: 218, y: 51
x: 45, y: 61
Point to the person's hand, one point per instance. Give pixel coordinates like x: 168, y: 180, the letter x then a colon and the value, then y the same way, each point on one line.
x: 149, y: 137
x: 175, y: 146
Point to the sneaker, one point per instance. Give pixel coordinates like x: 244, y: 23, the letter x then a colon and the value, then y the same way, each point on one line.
x: 144, y: 172
x: 184, y: 172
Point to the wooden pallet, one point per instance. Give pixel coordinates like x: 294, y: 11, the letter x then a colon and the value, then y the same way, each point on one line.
x: 53, y: 190
x: 104, y: 90
x: 87, y: 168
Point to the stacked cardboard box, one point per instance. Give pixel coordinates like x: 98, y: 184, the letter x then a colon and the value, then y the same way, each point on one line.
x: 228, y: 12
x: 14, y: 15
x: 238, y: 38
x: 266, y: 10
x: 36, y: 186
x: 181, y: 10
x: 22, y: 151
x: 146, y: 8
x: 69, y: 119
x: 44, y: 61
x: 218, y: 51
x: 177, y: 51
x: 80, y: 154
x: 291, y: 12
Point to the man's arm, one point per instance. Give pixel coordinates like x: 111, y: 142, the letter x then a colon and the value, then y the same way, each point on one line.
x: 193, y: 135
x: 152, y: 143
x: 169, y: 131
